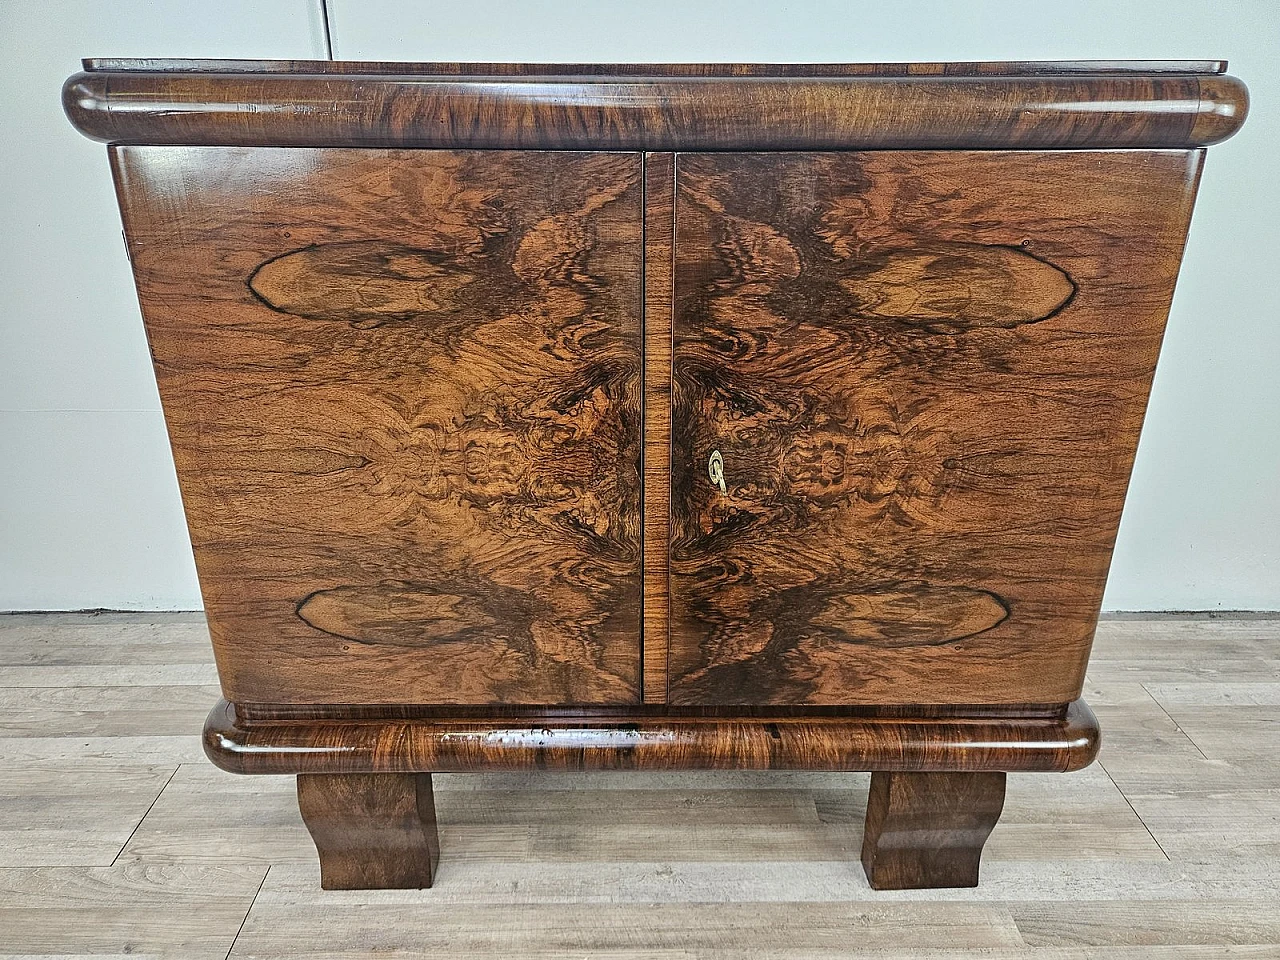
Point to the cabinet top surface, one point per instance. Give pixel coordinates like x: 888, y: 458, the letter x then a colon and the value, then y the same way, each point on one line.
x: 1028, y: 68
x: 659, y: 107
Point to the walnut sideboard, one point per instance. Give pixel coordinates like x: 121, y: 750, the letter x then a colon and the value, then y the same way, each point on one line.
x: 572, y: 417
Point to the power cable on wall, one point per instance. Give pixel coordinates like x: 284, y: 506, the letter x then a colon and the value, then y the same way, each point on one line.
x: 328, y: 35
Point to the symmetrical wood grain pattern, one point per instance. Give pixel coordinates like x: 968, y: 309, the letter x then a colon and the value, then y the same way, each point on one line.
x: 372, y: 831
x: 403, y: 392
x: 683, y: 108
x: 885, y: 406
x: 1061, y: 744
x: 924, y: 374
x: 659, y: 226
x: 926, y: 830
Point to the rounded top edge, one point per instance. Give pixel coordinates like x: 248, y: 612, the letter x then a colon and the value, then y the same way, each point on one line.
x: 1170, y: 111
x: 1224, y: 107
x: 85, y: 102
x: 1082, y: 737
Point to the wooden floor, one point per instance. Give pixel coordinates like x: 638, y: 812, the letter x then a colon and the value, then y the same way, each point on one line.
x: 117, y: 837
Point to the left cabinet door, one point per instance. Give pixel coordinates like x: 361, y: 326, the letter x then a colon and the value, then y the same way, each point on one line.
x: 403, y: 393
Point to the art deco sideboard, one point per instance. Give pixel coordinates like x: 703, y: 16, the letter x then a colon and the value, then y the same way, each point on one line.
x: 653, y: 417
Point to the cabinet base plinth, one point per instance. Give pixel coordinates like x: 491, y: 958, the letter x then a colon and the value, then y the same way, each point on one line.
x: 364, y: 743
x: 364, y: 782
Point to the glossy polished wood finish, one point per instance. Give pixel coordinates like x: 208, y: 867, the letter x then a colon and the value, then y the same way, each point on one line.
x: 807, y: 456
x: 924, y: 374
x: 659, y: 251
x: 372, y: 831
x: 403, y: 394
x: 926, y: 830
x: 685, y: 107
x: 1061, y: 744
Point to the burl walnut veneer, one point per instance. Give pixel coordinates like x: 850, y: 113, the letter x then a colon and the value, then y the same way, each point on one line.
x: 653, y: 417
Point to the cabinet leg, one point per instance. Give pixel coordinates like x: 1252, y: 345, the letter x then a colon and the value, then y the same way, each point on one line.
x: 927, y: 829
x: 374, y: 831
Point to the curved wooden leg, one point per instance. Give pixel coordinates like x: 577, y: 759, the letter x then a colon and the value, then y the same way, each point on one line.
x: 927, y: 829
x: 374, y: 831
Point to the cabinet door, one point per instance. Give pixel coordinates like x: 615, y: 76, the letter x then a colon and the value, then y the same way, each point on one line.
x: 403, y: 392
x: 906, y: 394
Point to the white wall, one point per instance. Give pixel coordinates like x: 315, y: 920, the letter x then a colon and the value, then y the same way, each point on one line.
x: 89, y: 508
x: 89, y: 511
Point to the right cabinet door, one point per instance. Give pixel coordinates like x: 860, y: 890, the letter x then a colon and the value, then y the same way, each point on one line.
x: 907, y: 389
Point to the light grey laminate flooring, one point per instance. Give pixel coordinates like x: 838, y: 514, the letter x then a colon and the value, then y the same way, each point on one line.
x: 118, y: 837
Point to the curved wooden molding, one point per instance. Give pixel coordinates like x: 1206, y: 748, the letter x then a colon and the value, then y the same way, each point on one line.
x: 954, y: 288
x: 203, y: 103
x: 911, y: 614
x: 396, y: 614
x: 364, y: 283
x: 652, y: 743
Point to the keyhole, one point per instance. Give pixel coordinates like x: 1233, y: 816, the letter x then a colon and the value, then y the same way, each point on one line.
x: 715, y: 470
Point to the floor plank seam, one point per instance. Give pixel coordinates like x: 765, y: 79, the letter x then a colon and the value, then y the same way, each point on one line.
x: 1176, y: 725
x: 1022, y: 944
x: 245, y: 919
x: 151, y: 806
x: 1129, y: 803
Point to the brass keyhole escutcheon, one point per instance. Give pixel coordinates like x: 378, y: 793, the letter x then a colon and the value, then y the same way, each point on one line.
x: 715, y: 470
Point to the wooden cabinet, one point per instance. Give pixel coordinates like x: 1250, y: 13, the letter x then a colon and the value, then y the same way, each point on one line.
x: 653, y: 417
